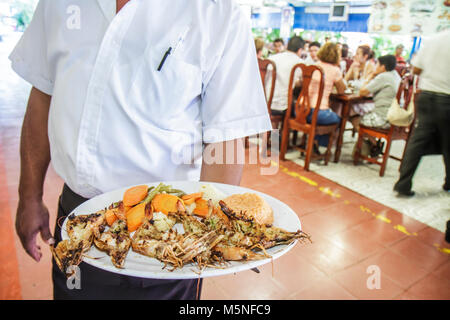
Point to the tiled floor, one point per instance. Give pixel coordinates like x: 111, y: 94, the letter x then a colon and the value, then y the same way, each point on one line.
x: 357, y: 242
x: 350, y: 234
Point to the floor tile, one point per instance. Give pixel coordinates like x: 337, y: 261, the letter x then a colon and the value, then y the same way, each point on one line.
x: 210, y: 291
x: 425, y: 256
x: 251, y: 286
x: 433, y: 237
x: 324, y: 289
x: 380, y: 231
x: 431, y: 287
x: 400, y: 269
x: 293, y: 273
x: 344, y: 216
x: 406, y: 295
x: 356, y: 278
x: 326, y: 255
x: 443, y: 271
x: 356, y: 243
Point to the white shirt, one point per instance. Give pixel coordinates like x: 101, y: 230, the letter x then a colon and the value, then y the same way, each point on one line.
x: 434, y: 60
x: 284, y: 63
x: 309, y: 61
x: 114, y: 119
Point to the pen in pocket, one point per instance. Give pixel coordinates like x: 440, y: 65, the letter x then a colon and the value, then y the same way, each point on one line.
x: 171, y: 50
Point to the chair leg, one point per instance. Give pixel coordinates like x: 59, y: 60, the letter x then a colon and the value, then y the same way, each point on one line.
x: 358, y: 148
x: 309, y: 150
x: 284, y: 142
x: 330, y: 143
x: 385, y: 157
x: 294, y: 138
x: 264, y: 148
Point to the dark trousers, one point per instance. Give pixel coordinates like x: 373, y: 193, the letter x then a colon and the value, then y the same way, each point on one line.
x: 100, y: 284
x: 432, y: 128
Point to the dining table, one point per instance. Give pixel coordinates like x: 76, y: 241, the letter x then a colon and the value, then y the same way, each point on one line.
x: 346, y: 100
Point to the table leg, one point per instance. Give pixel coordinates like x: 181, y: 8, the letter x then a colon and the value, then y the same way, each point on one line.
x: 344, y: 118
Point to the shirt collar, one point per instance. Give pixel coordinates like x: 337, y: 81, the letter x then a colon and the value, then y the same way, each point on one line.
x: 108, y: 7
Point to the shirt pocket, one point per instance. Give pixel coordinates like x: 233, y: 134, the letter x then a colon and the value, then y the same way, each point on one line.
x: 160, y: 98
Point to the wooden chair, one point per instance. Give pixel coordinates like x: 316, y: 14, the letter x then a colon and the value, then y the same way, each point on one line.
x: 302, y: 110
x: 263, y: 68
x: 402, y: 69
x: 275, y: 119
x: 405, y: 91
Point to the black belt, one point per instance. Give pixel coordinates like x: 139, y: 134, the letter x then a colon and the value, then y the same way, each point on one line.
x: 440, y: 94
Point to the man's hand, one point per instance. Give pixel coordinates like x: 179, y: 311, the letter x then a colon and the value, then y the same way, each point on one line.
x: 33, y: 218
x: 32, y: 215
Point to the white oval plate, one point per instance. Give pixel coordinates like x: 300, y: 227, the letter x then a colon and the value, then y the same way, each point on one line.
x: 138, y: 265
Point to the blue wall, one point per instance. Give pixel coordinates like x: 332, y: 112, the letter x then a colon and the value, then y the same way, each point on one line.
x: 316, y: 21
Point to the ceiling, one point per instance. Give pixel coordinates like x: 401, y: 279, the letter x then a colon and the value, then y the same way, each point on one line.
x: 296, y: 3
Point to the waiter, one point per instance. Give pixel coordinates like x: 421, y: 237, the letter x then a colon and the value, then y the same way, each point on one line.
x: 125, y: 93
x: 433, y: 110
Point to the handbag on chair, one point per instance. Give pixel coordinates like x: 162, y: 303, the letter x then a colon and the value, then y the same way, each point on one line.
x: 399, y: 116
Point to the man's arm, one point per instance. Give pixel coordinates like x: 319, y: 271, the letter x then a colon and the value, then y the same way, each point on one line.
x: 223, y: 173
x: 32, y: 215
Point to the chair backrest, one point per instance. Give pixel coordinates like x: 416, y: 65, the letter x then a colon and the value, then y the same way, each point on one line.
x: 402, y: 69
x: 303, y: 103
x: 406, y: 89
x: 263, y: 67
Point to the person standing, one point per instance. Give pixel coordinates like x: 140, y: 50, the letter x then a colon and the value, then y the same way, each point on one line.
x: 127, y: 93
x: 398, y: 54
x: 433, y: 110
x: 284, y: 62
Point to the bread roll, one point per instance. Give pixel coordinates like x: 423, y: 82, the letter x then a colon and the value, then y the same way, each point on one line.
x: 251, y: 205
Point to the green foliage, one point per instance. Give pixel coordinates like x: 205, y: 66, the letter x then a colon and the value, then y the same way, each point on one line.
x: 269, y: 35
x: 383, y: 45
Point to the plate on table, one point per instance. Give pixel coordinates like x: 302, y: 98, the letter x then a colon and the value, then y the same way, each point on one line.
x: 138, y: 265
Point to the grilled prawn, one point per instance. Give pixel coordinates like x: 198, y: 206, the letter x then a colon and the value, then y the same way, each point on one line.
x: 116, y: 242
x: 81, y: 231
x: 267, y: 236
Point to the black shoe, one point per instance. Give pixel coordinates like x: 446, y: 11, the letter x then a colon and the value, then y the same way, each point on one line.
x: 376, y: 149
x: 446, y: 187
x: 408, y: 193
x: 316, y: 150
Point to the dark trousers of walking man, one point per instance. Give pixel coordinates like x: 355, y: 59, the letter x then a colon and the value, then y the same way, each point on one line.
x: 432, y: 128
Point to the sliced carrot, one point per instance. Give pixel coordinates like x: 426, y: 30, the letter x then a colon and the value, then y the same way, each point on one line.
x: 202, y: 208
x: 135, y: 217
x: 127, y: 208
x: 189, y: 201
x: 192, y: 195
x: 165, y: 203
x: 134, y: 195
x: 110, y: 216
x: 190, y: 198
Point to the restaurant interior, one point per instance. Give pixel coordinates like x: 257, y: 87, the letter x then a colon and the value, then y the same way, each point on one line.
x: 367, y: 241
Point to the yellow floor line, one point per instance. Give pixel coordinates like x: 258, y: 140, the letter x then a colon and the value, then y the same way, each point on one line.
x: 327, y: 191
